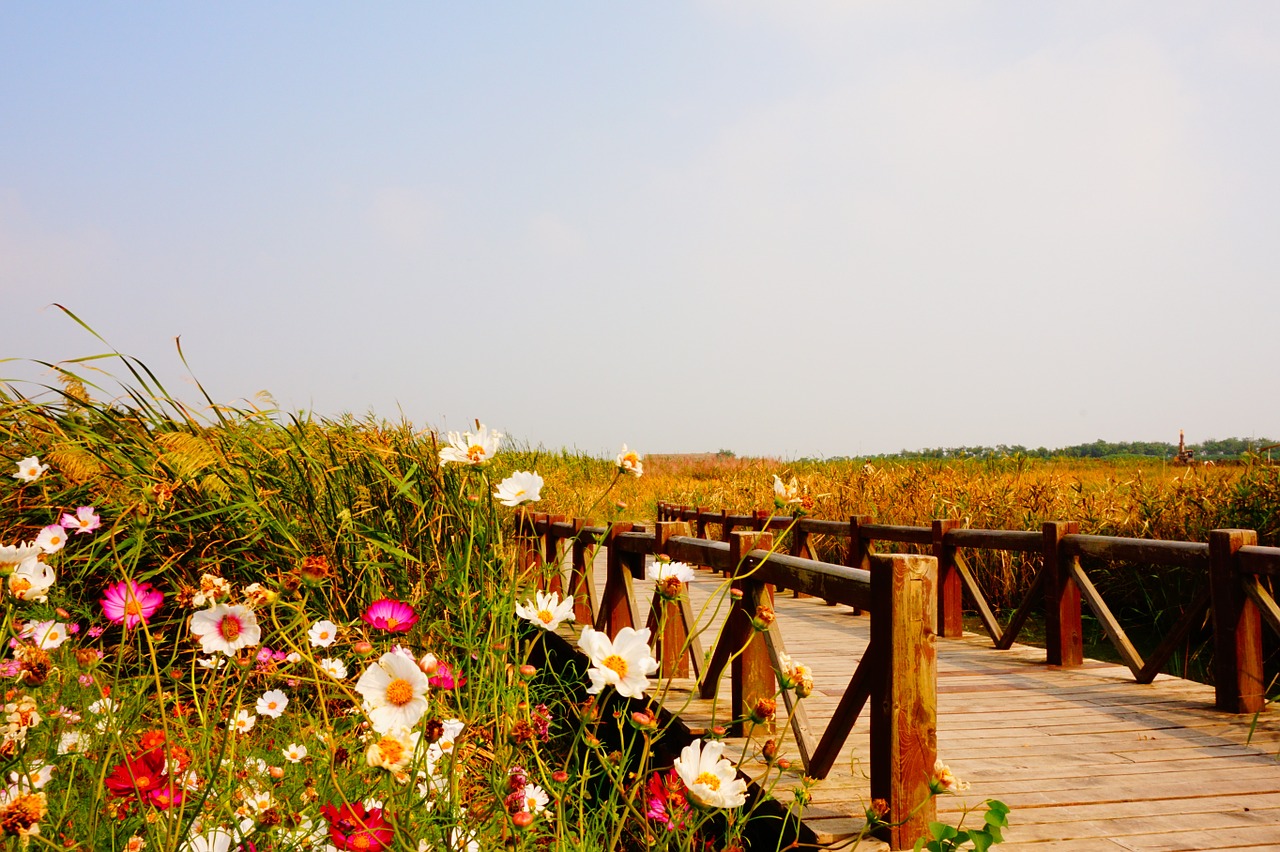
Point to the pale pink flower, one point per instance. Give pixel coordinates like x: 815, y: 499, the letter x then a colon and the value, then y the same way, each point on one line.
x: 30, y: 469
x: 85, y: 520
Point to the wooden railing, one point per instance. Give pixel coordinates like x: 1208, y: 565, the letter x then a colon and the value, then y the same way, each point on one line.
x: 1233, y: 590
x: 897, y: 674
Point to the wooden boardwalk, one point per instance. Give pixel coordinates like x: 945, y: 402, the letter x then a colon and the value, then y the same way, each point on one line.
x: 1086, y: 758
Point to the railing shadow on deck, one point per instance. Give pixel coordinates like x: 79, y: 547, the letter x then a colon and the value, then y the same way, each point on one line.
x: 897, y: 675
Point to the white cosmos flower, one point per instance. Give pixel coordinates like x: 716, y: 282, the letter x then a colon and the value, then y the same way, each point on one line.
x: 244, y: 722
x: 272, y: 703
x: 226, y: 628
x: 535, y: 799
x: 51, y: 538
x: 30, y: 469
x: 16, y: 554
x: 469, y: 448
x: 661, y: 570
x: 218, y: 840
x: 629, y: 462
x: 323, y: 633
x: 295, y: 752
x: 31, y: 580
x: 393, y: 750
x: 711, y: 780
x: 47, y: 634
x: 546, y: 610
x: 395, y: 693
x: 624, y: 663
x: 784, y: 493
x: 335, y: 669
x: 520, y: 487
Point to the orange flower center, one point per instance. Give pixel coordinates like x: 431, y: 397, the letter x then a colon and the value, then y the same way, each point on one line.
x: 391, y: 750
x: 19, y: 584
x: 706, y: 779
x: 545, y: 616
x: 391, y: 621
x: 132, y: 607
x: 475, y: 453
x: 399, y: 692
x: 142, y: 782
x: 360, y: 841
x: 229, y: 627
x: 616, y: 664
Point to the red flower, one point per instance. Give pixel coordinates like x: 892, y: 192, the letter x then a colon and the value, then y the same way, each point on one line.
x: 138, y: 775
x: 353, y: 827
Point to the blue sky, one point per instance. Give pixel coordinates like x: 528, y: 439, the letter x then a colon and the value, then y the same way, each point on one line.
x: 802, y: 228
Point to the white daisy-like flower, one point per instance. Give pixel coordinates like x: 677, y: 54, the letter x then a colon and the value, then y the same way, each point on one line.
x: 624, y: 663
x: 295, y: 752
x: 226, y: 628
x: 46, y: 634
x: 71, y: 742
x: 335, y: 669
x: 272, y: 703
x: 244, y: 722
x: 31, y: 580
x: 51, y: 538
x: 662, y: 570
x: 12, y: 555
x: 785, y: 492
x: 395, y: 693
x: 629, y: 462
x: 468, y: 448
x: 217, y: 840
x: 323, y: 633
x: 30, y: 469
x: 711, y: 780
x: 546, y: 610
x: 520, y: 487
x: 535, y: 799
x: 393, y: 750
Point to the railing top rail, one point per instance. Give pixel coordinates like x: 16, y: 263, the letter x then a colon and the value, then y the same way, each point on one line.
x: 1152, y: 551
x: 900, y: 534
x: 1259, y: 560
x: 834, y: 583
x: 1012, y: 540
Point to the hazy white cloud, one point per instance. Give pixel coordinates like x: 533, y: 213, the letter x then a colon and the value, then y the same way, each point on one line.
x: 403, y: 219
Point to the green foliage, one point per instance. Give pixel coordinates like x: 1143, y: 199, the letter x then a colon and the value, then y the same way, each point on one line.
x: 947, y: 838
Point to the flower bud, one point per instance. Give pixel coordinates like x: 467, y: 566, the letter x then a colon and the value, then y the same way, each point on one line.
x: 764, y: 710
x: 527, y: 671
x: 559, y: 776
x: 364, y: 648
x: 522, y: 819
x: 643, y: 720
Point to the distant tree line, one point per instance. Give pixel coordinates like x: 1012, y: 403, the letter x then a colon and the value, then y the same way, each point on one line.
x: 1223, y: 449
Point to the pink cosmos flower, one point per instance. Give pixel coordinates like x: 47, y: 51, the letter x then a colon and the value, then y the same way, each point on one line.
x: 387, y: 614
x: 444, y: 678
x: 131, y: 603
x: 85, y: 520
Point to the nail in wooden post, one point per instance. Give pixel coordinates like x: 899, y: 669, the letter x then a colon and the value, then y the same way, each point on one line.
x: 950, y: 583
x: 1063, y: 633
x: 1239, y: 686
x: 904, y: 716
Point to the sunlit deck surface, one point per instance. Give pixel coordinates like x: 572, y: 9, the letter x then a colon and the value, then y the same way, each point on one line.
x: 1086, y: 758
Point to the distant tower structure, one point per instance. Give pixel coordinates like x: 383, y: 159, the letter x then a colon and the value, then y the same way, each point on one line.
x: 1184, y: 455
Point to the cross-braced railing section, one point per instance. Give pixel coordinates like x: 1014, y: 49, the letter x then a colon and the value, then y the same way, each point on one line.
x: 896, y: 676
x: 1236, y: 589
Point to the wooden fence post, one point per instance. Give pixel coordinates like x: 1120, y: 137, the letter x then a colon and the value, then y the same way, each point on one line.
x: 1063, y: 633
x: 582, y: 577
x: 1239, y: 684
x: 671, y: 642
x: 549, y: 577
x: 752, y: 671
x: 904, y: 703
x: 618, y: 604
x: 859, y: 553
x: 700, y: 522
x: 950, y: 583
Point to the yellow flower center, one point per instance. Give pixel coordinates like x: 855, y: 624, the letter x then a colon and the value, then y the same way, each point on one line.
x: 324, y: 634
x: 399, y: 692
x: 142, y: 781
x: 360, y: 841
x: 229, y: 628
x: 545, y: 616
x: 475, y: 453
x: 391, y: 622
x: 390, y: 750
x: 132, y: 607
x: 706, y: 779
x: 616, y: 664
x: 271, y: 705
x: 19, y: 585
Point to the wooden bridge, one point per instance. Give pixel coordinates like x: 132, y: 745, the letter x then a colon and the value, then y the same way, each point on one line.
x: 1088, y: 755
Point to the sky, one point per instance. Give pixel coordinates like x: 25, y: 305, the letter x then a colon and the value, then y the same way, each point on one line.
x: 802, y: 228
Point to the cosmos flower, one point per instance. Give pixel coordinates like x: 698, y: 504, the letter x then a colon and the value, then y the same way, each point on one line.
x: 226, y: 628
x: 444, y: 678
x: 546, y: 610
x: 217, y: 840
x: 51, y: 538
x: 16, y: 554
x: 520, y: 487
x: 391, y: 615
x: 661, y: 571
x: 784, y: 493
x: 629, y: 462
x: 272, y: 703
x: 393, y: 750
x: 535, y: 799
x: 354, y: 826
x: 31, y: 580
x: 138, y: 775
x: 244, y: 721
x: 30, y: 469
x: 45, y: 634
x: 710, y: 780
x: 323, y: 633
x: 394, y: 691
x: 624, y: 663
x: 471, y: 449
x: 83, y: 521
x: 944, y: 781
x: 335, y: 669
x: 131, y: 603
x: 295, y: 752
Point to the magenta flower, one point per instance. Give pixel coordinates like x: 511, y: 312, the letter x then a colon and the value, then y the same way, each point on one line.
x: 85, y: 520
x: 444, y: 678
x: 387, y: 614
x: 130, y: 602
